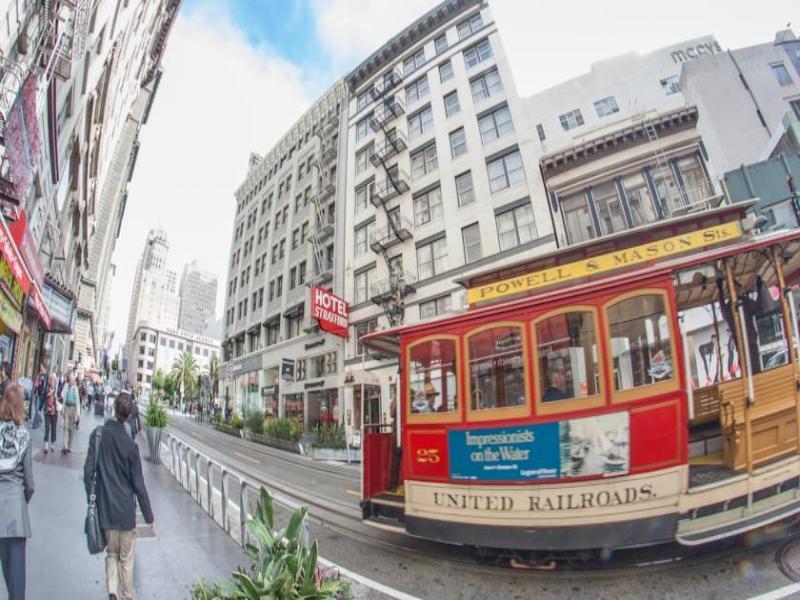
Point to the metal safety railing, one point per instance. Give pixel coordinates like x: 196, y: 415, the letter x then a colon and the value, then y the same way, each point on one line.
x: 185, y: 464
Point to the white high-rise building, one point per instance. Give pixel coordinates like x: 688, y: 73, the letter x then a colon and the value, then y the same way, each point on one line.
x: 155, y: 298
x: 198, y: 292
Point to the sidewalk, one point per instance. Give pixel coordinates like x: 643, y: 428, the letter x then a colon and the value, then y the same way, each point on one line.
x: 188, y: 545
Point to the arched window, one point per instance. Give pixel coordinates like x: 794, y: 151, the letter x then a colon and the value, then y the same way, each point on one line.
x: 497, y: 375
x: 433, y: 376
x: 567, y: 360
x: 640, y: 342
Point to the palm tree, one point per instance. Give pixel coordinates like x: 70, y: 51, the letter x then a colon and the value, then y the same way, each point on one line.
x: 158, y: 384
x: 184, y: 375
x: 213, y: 373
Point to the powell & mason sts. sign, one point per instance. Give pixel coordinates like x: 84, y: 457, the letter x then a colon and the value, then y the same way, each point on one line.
x: 626, y: 257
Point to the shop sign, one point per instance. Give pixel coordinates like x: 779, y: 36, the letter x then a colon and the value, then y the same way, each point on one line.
x: 11, y: 256
x: 9, y: 282
x: 270, y: 390
x: 287, y: 369
x: 314, y: 385
x: 596, y: 445
x: 626, y: 257
x: 39, y: 305
x: 10, y: 315
x: 331, y: 312
x: 58, y: 305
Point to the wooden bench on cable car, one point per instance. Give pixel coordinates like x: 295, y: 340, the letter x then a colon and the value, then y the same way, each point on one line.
x: 773, y: 417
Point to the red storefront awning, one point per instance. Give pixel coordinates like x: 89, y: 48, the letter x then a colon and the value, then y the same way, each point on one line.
x: 30, y: 287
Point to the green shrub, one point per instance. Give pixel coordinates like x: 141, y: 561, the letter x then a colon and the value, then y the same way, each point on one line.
x: 282, y: 428
x: 330, y: 436
x: 283, y: 567
x: 155, y: 416
x: 255, y: 421
x: 236, y: 421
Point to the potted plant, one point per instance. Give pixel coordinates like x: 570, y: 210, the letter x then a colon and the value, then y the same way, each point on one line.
x: 155, y: 419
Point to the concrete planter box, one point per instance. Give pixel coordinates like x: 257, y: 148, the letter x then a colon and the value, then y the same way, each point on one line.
x: 340, y: 454
x: 227, y: 429
x: 266, y: 440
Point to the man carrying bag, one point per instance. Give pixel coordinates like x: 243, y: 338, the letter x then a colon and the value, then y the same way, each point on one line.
x: 116, y: 467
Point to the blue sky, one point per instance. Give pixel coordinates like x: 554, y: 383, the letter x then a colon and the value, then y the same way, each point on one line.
x: 285, y: 26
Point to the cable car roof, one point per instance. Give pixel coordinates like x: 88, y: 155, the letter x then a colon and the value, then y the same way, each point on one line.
x: 693, y: 292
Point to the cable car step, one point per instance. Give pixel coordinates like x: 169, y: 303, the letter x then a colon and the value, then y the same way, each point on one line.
x: 724, y: 529
x: 386, y: 524
x: 387, y: 506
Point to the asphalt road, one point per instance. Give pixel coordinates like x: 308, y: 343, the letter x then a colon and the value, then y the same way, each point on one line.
x: 742, y: 568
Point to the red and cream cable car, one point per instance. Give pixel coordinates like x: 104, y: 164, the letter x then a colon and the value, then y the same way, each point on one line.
x: 634, y: 390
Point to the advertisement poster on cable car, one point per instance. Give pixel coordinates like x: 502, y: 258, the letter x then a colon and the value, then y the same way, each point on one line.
x: 597, y: 445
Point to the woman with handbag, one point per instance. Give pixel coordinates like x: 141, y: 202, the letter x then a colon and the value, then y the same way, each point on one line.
x: 50, y: 415
x: 16, y: 489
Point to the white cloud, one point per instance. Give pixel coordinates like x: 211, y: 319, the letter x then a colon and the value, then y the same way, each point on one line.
x: 219, y: 99
x: 350, y: 30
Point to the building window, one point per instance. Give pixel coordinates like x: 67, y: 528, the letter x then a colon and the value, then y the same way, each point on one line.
x: 362, y: 159
x: 424, y: 161
x: 458, y: 142
x: 362, y: 128
x: 540, y: 132
x: 477, y: 54
x: 432, y: 259
x: 361, y: 330
x: 417, y: 90
x: 471, y: 236
x: 272, y: 332
x: 294, y: 325
x: 363, y: 101
x: 606, y: 106
x: 464, y: 189
x: 143, y: 337
x: 362, y: 283
x: 172, y: 342
x: 609, y: 208
x: 670, y: 84
x: 414, y: 62
x: 515, y: 227
x: 301, y: 276
x: 433, y: 377
x: 362, y: 238
x: 795, y: 104
x: 577, y: 218
x: 434, y: 308
x: 445, y: 71
x: 486, y: 85
x: 428, y: 207
x: 420, y: 123
x: 781, y: 74
x: 639, y: 200
x: 440, y: 43
x: 162, y: 342
x: 505, y: 171
x: 363, y: 195
x: 451, y: 105
x: 696, y: 186
x: 571, y: 119
x: 495, y: 125
x: 470, y: 26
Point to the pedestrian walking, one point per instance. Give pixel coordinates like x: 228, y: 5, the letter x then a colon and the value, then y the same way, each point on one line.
x: 50, y: 414
x: 119, y: 484
x: 40, y: 390
x: 71, y: 399
x: 134, y: 421
x: 16, y: 489
x: 82, y: 392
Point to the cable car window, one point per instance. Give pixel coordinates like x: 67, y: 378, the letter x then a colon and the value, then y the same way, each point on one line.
x: 497, y: 368
x: 432, y: 377
x: 567, y: 354
x: 640, y: 342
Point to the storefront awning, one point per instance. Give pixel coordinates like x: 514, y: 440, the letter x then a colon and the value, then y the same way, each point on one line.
x: 61, y: 307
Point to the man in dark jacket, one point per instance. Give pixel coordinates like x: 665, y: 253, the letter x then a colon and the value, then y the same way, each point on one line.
x: 119, y: 484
